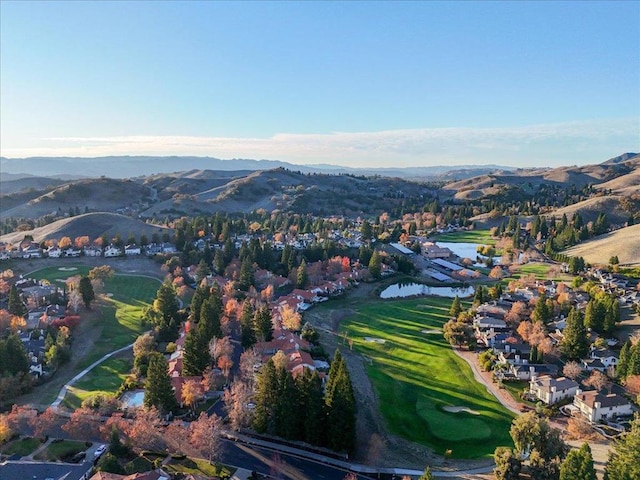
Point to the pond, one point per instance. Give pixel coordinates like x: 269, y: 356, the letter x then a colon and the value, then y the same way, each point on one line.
x: 132, y: 399
x: 466, y: 250
x: 401, y: 290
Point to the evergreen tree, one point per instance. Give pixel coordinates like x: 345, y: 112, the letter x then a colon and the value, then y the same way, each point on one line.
x: 263, y: 326
x: 612, y: 315
x: 266, y: 399
x: 366, y: 231
x: 456, y: 307
x: 341, y: 410
x: 427, y: 475
x: 158, y: 389
x: 375, y: 265
x: 247, y: 331
x: 202, y: 271
x: 86, y: 290
x: 634, y: 361
x: 302, y: 278
x: 246, y: 274
x: 209, y: 325
x: 201, y: 294
x: 14, y: 358
x: 15, y: 304
x: 541, y: 312
x: 624, y: 460
x: 478, y: 296
x: 287, y: 413
x: 508, y: 465
x: 578, y: 465
x: 623, y: 361
x: 575, y: 344
x: 195, y: 358
x: 594, y: 315
x: 219, y: 262
x: 312, y: 407
x: 166, y: 304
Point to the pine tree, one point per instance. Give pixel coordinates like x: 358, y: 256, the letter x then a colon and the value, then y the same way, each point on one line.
x: 209, y: 325
x: 375, y: 265
x: 266, y: 399
x: 195, y: 358
x: 201, y: 294
x: 578, y: 465
x: 634, y: 360
x: 158, y: 388
x: 456, y: 307
x: 202, y: 271
x: 248, y: 335
x: 15, y: 304
x: 575, y: 344
x: 166, y: 304
x: 623, y: 361
x: 341, y: 410
x: 219, y: 262
x: 263, y: 325
x: 594, y: 315
x: 624, y: 460
x: 312, y: 407
x: 302, y: 278
x: 86, y: 290
x: 246, y: 274
x: 287, y: 412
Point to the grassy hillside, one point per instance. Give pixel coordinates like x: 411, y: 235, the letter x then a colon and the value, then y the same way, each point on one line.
x: 92, y: 224
x: 625, y: 243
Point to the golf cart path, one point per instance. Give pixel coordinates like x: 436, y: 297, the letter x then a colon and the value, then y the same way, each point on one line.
x: 503, y: 397
x: 65, y: 387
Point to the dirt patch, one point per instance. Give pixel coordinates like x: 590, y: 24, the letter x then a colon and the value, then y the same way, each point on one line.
x: 447, y: 408
x: 67, y: 269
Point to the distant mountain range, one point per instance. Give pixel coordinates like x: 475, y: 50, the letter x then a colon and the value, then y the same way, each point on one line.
x: 130, y: 167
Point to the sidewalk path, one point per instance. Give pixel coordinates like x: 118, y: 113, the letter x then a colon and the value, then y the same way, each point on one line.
x: 484, y: 377
x: 65, y: 387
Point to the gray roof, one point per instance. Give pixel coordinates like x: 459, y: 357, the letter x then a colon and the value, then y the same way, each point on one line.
x: 606, y: 400
x: 43, y: 470
x: 561, y: 383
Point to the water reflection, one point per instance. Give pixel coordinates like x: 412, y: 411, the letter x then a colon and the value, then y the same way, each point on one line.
x: 401, y: 290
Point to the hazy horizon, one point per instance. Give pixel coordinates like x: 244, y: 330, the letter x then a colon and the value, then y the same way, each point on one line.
x: 355, y: 84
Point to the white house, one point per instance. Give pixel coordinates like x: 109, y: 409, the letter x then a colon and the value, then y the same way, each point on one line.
x: 92, y: 252
x: 552, y: 390
x: 112, y: 251
x: 596, y: 406
x: 606, y: 356
x: 132, y: 249
x: 54, y: 252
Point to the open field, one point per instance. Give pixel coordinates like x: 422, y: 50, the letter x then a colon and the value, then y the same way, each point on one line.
x: 199, y: 466
x: 472, y: 236
x: 625, y: 243
x: 416, y: 375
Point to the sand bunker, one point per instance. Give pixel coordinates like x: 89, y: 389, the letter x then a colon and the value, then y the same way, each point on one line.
x: 431, y: 331
x: 374, y: 340
x: 460, y: 409
x: 67, y: 269
x: 108, y: 294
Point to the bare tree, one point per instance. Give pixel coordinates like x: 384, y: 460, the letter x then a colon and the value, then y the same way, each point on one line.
x: 219, y: 347
x: 236, y: 401
x: 75, y: 301
x: 43, y: 423
x: 248, y: 362
x: 205, y: 435
x: 143, y: 344
x: 146, y: 430
x: 597, y: 380
x: 572, y: 370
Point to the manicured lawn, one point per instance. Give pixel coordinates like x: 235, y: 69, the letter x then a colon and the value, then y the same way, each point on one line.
x: 515, y: 389
x: 57, y: 451
x: 22, y: 446
x: 541, y: 271
x: 416, y: 373
x: 200, y: 467
x: 118, y: 325
x: 482, y: 237
x: 106, y: 378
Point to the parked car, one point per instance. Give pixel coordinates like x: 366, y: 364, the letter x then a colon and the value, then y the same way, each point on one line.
x: 99, y: 451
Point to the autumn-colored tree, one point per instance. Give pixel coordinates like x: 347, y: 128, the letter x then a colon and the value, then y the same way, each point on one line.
x: 205, y: 435
x: 225, y: 363
x: 6, y: 432
x: 174, y: 435
x: 572, y: 370
x: 83, y: 424
x: 65, y: 242
x: 280, y: 360
x: 219, y: 347
x: 496, y: 273
x: 248, y: 362
x: 145, y: 432
x: 597, y: 380
x: 236, y: 400
x: 191, y: 393
x: 291, y: 320
x: 43, y: 423
x: 81, y: 242
x: 633, y: 384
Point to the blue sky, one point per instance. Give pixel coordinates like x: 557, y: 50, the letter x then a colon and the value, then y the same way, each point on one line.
x: 351, y: 83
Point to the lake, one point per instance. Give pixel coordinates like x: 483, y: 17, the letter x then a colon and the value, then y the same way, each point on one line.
x: 401, y: 290
x: 466, y: 250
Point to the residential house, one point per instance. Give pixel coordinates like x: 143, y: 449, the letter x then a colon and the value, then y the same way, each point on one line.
x: 431, y: 251
x: 54, y: 252
x: 606, y: 357
x: 112, y: 251
x: 526, y: 371
x: 551, y: 390
x: 597, y: 406
x: 132, y: 249
x: 92, y: 251
x: 590, y: 364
